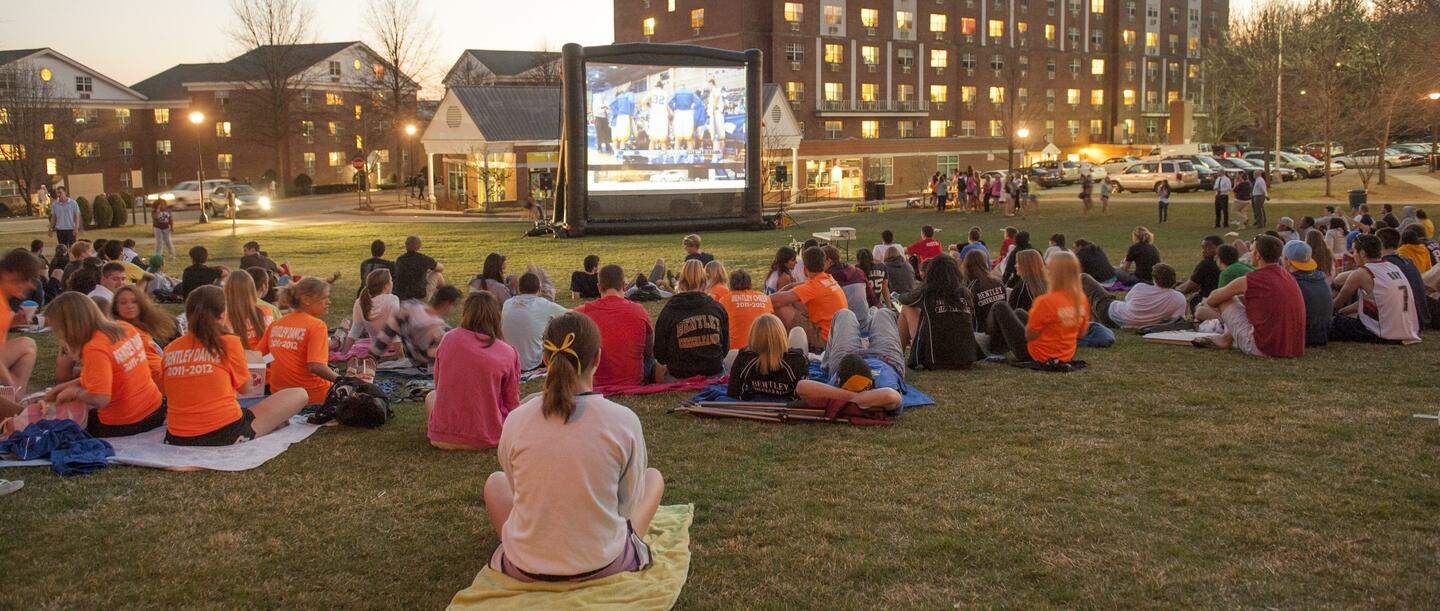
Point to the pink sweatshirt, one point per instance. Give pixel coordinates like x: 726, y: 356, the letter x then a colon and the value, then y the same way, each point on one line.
x: 476, y: 387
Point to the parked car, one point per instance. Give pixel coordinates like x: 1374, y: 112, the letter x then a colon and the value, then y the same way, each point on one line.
x: 1149, y: 175
x: 1371, y: 158
x: 1206, y: 166
x: 1063, y: 173
x: 1335, y: 168
x: 1317, y: 149
x: 1306, y: 167
x: 247, y: 201
x: 1116, y: 165
x: 1232, y: 149
x: 1044, y: 177
x: 1251, y: 166
x: 1096, y: 172
x: 182, y: 195
x: 1420, y: 151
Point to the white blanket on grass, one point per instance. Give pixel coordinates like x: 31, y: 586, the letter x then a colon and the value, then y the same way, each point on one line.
x: 148, y: 449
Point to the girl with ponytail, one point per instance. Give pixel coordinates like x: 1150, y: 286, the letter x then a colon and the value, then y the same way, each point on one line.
x: 118, y: 367
x: 299, y: 341
x: 244, y: 316
x: 477, y: 379
x: 204, y: 372
x: 375, y: 306
x: 575, y: 494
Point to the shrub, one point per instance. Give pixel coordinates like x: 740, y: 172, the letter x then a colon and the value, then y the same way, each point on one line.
x: 335, y: 188
x: 103, y: 212
x: 303, y: 182
x: 87, y: 216
x: 120, y: 212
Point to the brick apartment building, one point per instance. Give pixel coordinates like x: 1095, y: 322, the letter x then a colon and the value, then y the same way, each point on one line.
x: 141, y: 138
x: 894, y: 90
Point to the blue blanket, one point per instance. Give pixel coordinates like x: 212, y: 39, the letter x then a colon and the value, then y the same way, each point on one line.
x: 909, y: 395
x: 69, y: 448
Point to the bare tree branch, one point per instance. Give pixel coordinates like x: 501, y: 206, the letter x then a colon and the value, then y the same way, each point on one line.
x: 271, y: 74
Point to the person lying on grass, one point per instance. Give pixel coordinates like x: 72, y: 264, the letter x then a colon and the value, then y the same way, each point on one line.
x: 299, y: 341
x: 118, y: 366
x: 477, y: 378
x: 575, y: 495
x: 203, y: 371
x: 870, y: 377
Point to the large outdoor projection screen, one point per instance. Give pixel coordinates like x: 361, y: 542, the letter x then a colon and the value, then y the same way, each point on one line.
x: 659, y: 136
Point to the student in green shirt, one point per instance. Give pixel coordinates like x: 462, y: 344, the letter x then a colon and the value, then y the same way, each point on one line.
x: 1230, y: 265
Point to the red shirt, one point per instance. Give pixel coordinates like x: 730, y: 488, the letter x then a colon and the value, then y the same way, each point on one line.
x: 926, y: 248
x: 1276, y: 309
x: 625, y: 334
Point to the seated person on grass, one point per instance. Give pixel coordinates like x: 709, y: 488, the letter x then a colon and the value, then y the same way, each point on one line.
x: 112, y: 277
x: 693, y: 252
x: 418, y: 327
x: 1139, y: 259
x: 811, y: 305
x: 117, y: 375
x: 1205, y: 278
x: 1391, y: 241
x: 1231, y: 267
x: 134, y: 274
x: 584, y: 283
x: 1314, y: 289
x: 375, y: 306
x: 1412, y: 247
x: 937, y: 319
x: 1374, y: 303
x: 1145, y: 304
x: 17, y: 354
x: 925, y: 248
x: 870, y: 377
x: 1050, y: 330
x: 860, y: 298
x: 1094, y: 261
x: 523, y: 320
x: 628, y: 336
x: 692, y: 332
x: 199, y: 274
x: 477, y: 380
x: 244, y: 314
x: 300, y: 342
x: 376, y: 261
x: 575, y: 495
x: 203, y: 370
x: 416, y: 274
x: 717, y: 280
x: 771, y: 366
x: 1263, y: 311
x: 155, y: 324
x: 742, y: 306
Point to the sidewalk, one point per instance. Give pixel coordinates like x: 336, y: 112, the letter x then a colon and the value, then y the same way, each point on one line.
x: 1427, y: 182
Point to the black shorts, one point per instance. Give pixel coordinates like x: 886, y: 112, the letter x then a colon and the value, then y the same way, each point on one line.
x: 228, y: 435
x: 65, y: 236
x: 96, y: 428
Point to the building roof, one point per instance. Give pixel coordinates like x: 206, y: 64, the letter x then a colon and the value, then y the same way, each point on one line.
x: 511, y: 114
x: 511, y: 63
x: 7, y: 57
x: 170, y: 84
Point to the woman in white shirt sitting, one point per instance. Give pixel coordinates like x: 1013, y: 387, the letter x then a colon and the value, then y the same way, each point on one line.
x: 375, y: 306
x: 575, y: 497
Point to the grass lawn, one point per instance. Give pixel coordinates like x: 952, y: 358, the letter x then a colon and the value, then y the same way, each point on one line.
x: 1158, y: 477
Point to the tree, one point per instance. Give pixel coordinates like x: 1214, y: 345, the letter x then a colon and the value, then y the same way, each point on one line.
x: 28, y: 104
x: 1246, y: 67
x: 1012, y: 111
x: 547, y: 66
x: 271, y: 73
x: 1323, y: 59
x: 401, y: 34
x: 1389, y: 76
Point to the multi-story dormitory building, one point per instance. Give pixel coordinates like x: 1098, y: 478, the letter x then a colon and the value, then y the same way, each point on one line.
x: 894, y: 90
x: 141, y: 137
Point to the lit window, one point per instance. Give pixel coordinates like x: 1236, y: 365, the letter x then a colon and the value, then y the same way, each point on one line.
x: 12, y: 152
x: 869, y: 92
x: 834, y: 53
x: 337, y: 159
x: 870, y: 17
x: 1050, y: 32
x: 697, y: 18
x: 358, y: 111
x: 939, y: 58
x: 162, y: 147
x: 906, y: 129
x: 795, y: 91
x: 939, y: 93
x: 834, y: 15
x: 1128, y: 37
x: 1152, y: 42
x: 49, y: 131
x: 334, y: 99
x: 1128, y: 96
x: 967, y: 93
x: 52, y: 166
x: 937, y: 22
x: 357, y: 64
x: 997, y: 28
x: 1022, y: 28
x: 1194, y: 43
x: 670, y: 6
x: 834, y: 92
x: 1097, y: 6
x: 222, y: 129
x: 647, y: 27
x: 905, y: 20
x: 359, y: 143
x: 1097, y: 97
x: 939, y: 129
x: 834, y: 130
x: 870, y: 54
x: 162, y: 116
x: 794, y: 12
x: 967, y: 26
x: 997, y: 128
x: 997, y: 95
x: 1072, y: 96
x: 904, y: 92
x: 46, y: 75
x: 87, y: 149
x: 869, y: 129
x: 309, y: 162
x: 1097, y: 66
x: 224, y: 161
x: 1097, y: 127
x: 1172, y: 96
x: 122, y: 117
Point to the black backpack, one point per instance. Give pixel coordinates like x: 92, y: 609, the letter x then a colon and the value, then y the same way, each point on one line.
x: 354, y: 402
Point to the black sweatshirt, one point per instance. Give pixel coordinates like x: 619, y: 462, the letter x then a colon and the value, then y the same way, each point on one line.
x: 692, y: 336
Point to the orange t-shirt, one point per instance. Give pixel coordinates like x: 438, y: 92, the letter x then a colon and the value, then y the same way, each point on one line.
x: 200, y: 387
x: 743, y: 307
x: 252, y: 337
x: 822, y: 297
x: 719, y: 292
x: 153, y: 360
x: 296, y: 340
x: 122, y: 371
x: 6, y: 317
x: 1060, y: 322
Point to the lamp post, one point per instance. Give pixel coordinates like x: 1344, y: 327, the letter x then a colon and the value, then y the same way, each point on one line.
x: 197, y: 118
x: 409, y: 136
x: 1024, y: 134
x: 1434, y: 153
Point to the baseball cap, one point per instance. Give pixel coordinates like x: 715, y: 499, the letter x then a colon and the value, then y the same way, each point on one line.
x: 853, y: 374
x: 156, y: 261
x: 1298, y: 254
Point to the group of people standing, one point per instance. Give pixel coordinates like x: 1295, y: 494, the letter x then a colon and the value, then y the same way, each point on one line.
x: 972, y: 191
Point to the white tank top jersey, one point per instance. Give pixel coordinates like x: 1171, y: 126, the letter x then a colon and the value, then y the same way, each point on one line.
x: 1389, y: 310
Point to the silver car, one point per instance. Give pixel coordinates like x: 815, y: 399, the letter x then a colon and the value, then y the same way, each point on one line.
x: 247, y: 201
x: 1370, y: 158
x: 1149, y: 175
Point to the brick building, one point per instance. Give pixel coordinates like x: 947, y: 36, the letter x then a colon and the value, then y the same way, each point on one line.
x: 894, y: 90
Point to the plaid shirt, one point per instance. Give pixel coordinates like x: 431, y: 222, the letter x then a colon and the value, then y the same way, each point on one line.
x: 417, y: 329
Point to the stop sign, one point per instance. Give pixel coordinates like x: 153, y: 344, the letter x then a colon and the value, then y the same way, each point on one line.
x: 358, y: 162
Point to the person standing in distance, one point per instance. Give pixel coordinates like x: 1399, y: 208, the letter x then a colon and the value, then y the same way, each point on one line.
x: 65, y: 220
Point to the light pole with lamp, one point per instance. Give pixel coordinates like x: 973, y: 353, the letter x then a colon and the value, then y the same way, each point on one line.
x: 1024, y: 135
x: 1434, y: 153
x: 197, y: 118
x: 409, y: 136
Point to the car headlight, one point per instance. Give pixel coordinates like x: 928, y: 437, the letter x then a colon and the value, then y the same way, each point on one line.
x: 169, y: 197
x: 264, y: 203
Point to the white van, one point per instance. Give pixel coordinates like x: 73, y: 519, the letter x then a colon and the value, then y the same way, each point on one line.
x: 1176, y: 150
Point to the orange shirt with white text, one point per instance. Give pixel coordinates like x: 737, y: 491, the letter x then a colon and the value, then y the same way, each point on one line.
x: 296, y: 340
x: 121, y: 370
x: 200, y: 387
x: 743, y: 307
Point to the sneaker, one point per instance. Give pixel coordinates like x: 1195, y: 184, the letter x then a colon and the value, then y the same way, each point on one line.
x: 8, y: 486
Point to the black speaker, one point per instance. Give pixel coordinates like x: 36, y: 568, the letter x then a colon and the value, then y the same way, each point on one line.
x: 547, y: 181
x: 782, y: 174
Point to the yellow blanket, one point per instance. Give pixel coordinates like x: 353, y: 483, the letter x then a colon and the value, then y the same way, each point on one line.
x: 655, y: 588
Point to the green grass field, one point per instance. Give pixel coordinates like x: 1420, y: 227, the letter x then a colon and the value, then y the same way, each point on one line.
x: 1158, y: 477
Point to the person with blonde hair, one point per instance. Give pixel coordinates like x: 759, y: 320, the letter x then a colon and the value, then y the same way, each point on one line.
x: 1049, y: 331
x: 244, y: 314
x: 375, y: 306
x: 205, y: 369
x: 773, y: 364
x: 716, y: 280
x: 575, y: 493
x: 299, y: 341
x: 1029, y: 279
x: 692, y: 332
x: 1140, y: 259
x: 118, y: 368
x: 477, y: 379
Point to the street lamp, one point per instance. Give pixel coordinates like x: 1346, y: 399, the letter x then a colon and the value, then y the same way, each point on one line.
x: 197, y: 118
x: 1434, y: 153
x: 1024, y: 134
x: 409, y: 133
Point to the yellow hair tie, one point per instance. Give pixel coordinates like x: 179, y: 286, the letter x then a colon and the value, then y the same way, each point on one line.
x: 564, y: 346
